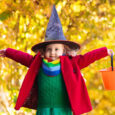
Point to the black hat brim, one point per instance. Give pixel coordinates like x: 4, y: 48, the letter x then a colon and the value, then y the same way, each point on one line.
x: 72, y: 45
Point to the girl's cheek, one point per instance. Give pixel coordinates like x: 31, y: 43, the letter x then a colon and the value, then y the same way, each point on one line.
x: 60, y: 54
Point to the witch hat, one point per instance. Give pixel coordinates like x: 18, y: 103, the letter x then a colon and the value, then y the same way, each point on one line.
x: 54, y: 33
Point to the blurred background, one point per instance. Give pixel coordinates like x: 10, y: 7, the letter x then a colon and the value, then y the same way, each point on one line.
x: 23, y: 23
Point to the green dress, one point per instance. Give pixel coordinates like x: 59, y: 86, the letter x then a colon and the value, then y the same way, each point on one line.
x: 54, y: 111
x: 52, y: 95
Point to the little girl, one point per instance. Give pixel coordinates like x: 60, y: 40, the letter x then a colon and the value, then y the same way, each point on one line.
x: 53, y: 84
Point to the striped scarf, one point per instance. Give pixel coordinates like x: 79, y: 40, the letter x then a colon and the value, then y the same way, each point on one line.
x: 51, y: 68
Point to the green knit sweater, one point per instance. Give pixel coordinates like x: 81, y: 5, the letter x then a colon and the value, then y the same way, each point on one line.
x: 51, y: 91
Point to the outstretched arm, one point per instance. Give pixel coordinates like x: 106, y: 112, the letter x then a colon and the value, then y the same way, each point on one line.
x: 18, y: 56
x: 84, y: 60
x: 2, y: 53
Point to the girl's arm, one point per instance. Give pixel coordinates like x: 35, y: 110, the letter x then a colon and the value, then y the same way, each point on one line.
x: 84, y: 60
x: 18, y: 56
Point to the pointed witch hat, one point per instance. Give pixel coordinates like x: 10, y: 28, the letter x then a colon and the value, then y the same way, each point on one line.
x: 54, y: 34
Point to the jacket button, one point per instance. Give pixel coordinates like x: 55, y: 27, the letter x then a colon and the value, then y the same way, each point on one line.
x: 73, y: 71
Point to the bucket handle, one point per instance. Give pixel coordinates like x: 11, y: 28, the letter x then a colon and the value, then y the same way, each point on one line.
x: 112, y: 61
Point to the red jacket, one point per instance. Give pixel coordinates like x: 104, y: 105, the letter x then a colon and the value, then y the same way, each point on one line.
x: 74, y: 82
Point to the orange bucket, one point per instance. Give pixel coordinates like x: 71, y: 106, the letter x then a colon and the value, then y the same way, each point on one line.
x: 108, y: 76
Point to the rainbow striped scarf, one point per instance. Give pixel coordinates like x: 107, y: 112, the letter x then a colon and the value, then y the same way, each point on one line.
x: 51, y: 68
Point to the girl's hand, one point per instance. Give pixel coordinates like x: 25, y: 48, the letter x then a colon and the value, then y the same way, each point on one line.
x: 110, y: 51
x: 2, y: 53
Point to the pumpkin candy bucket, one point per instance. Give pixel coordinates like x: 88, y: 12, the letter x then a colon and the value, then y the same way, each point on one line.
x: 108, y: 76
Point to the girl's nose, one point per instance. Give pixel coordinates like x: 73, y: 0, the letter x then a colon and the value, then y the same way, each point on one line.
x: 53, y: 52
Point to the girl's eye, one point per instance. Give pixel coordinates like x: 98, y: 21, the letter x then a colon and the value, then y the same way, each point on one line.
x: 56, y: 49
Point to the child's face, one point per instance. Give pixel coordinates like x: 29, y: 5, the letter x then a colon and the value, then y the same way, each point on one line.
x: 53, y: 51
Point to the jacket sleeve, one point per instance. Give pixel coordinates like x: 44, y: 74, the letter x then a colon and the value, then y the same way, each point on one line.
x: 84, y: 60
x: 19, y: 56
